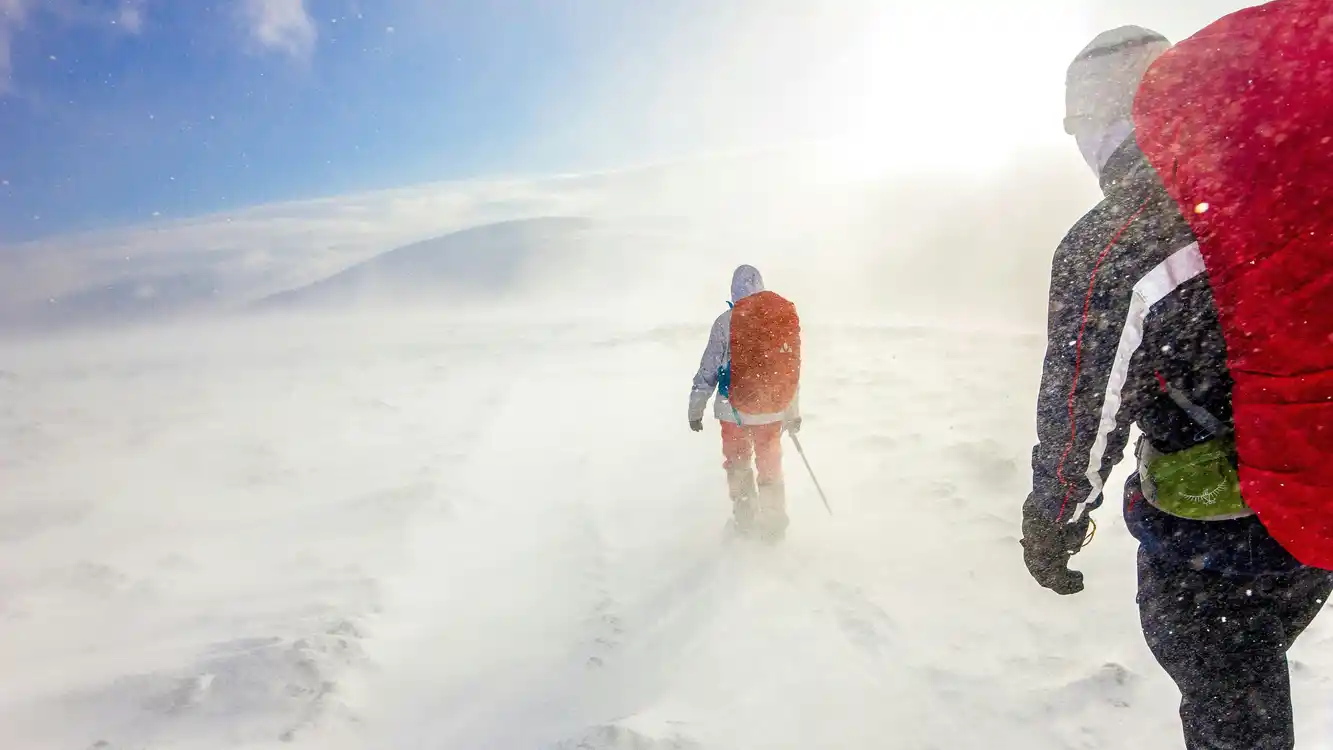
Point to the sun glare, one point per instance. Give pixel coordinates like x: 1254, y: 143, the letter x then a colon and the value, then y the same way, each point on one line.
x: 961, y: 92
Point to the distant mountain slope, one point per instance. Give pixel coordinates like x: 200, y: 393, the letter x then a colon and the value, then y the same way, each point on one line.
x: 132, y: 299
x: 488, y: 259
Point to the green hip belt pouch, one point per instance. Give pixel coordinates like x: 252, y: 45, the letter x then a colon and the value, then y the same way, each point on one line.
x: 1199, y: 483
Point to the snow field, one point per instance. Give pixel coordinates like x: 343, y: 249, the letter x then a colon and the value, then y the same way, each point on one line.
x: 411, y: 531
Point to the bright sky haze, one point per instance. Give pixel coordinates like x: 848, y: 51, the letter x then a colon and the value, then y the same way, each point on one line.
x: 119, y: 112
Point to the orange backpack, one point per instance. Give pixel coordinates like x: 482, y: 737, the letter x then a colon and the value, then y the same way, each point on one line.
x: 765, y: 366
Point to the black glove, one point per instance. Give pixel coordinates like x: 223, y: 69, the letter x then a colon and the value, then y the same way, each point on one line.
x: 1047, y: 547
x: 793, y: 425
x: 697, y: 425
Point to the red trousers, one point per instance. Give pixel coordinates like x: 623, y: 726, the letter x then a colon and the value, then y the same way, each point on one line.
x: 762, y: 443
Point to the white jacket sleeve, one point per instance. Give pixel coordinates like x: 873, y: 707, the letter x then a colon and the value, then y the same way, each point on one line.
x: 715, y: 355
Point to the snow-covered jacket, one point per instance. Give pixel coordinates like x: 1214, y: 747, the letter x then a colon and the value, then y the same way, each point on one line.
x: 1131, y: 319
x: 744, y: 282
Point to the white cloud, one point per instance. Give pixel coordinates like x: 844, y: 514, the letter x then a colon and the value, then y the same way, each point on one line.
x: 14, y: 14
x: 130, y: 16
x: 282, y: 26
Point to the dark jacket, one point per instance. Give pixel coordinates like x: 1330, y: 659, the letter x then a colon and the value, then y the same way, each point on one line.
x: 1131, y: 315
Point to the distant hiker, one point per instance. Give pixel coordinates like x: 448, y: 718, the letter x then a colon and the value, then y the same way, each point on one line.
x: 1194, y: 302
x: 753, y: 361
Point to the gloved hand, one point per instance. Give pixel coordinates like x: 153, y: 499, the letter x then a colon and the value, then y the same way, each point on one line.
x: 697, y: 425
x: 793, y: 425
x: 1047, y: 547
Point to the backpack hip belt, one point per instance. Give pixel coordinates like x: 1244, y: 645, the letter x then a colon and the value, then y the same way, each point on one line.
x: 1200, y: 482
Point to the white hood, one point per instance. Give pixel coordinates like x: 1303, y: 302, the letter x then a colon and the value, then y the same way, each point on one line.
x: 1100, y: 86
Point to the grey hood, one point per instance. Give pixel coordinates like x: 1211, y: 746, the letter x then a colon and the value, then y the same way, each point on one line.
x: 744, y: 282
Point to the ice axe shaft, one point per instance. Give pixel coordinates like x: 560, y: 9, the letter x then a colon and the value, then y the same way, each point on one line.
x: 801, y: 451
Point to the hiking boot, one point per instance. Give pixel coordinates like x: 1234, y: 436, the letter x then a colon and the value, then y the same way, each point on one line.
x: 772, y: 518
x: 740, y: 485
x: 743, y: 515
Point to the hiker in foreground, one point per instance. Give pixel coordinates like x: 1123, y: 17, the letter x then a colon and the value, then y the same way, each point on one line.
x: 753, y: 362
x: 1193, y: 301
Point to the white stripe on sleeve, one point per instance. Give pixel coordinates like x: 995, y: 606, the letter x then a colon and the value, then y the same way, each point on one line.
x: 1165, y: 278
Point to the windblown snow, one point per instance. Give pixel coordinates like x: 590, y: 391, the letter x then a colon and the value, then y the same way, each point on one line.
x: 417, y: 531
x: 486, y: 525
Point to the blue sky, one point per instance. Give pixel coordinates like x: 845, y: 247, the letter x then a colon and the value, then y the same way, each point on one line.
x: 114, y: 111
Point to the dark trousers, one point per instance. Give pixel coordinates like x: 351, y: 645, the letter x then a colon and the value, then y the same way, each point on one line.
x: 1224, y: 640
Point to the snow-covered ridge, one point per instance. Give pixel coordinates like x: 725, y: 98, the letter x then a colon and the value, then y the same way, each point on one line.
x: 479, y: 262
x: 946, y: 243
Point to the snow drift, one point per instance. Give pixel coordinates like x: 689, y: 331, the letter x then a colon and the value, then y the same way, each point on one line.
x: 487, y: 525
x: 416, y: 531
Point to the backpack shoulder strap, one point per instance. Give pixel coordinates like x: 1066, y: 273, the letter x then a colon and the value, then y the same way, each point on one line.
x: 1200, y: 415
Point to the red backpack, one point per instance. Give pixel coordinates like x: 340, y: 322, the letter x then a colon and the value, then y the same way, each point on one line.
x: 1238, y: 122
x: 765, y: 354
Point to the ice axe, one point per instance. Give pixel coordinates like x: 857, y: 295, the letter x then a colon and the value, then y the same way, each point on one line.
x: 801, y: 451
